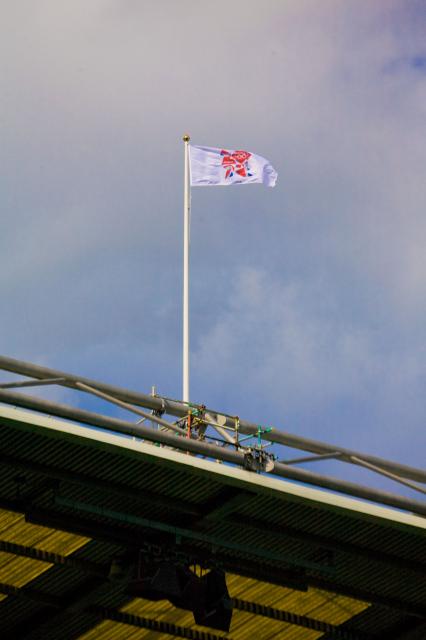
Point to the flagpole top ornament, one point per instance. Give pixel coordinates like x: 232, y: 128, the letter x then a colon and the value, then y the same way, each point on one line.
x: 186, y: 138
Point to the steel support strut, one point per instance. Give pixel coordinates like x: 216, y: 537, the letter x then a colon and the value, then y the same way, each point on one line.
x: 180, y: 409
x: 225, y: 454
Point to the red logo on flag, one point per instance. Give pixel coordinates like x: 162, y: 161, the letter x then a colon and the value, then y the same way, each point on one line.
x: 236, y: 162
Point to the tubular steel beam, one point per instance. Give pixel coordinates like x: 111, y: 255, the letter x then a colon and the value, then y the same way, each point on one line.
x: 180, y: 409
x: 388, y: 474
x: 324, y: 456
x: 359, y: 491
x: 122, y: 426
x: 210, y: 450
x: 30, y: 383
x: 129, y: 407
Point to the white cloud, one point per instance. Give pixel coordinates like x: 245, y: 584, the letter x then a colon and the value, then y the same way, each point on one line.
x: 289, y: 349
x: 288, y: 340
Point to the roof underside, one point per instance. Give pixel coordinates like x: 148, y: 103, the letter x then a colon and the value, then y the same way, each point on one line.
x: 300, y: 564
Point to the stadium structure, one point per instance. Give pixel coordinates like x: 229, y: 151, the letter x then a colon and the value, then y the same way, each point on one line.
x: 183, y: 522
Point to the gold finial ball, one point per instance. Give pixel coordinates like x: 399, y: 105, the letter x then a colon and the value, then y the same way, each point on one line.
x: 186, y: 138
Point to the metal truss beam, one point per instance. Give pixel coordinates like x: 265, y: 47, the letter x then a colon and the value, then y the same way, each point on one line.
x: 31, y: 383
x: 264, y: 572
x: 125, y: 405
x: 189, y: 534
x: 180, y: 409
x: 121, y: 426
x: 210, y: 450
x: 131, y: 540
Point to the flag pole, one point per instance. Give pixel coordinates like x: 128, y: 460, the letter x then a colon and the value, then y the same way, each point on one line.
x: 186, y: 212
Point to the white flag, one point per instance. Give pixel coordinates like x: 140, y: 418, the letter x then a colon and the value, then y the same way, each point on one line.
x: 211, y: 166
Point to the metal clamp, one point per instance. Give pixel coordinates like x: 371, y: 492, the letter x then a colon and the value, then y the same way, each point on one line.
x: 258, y: 460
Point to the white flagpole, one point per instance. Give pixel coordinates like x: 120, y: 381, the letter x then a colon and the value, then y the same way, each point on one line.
x: 186, y: 213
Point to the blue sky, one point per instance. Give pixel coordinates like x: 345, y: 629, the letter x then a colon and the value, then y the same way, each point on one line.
x: 308, y: 301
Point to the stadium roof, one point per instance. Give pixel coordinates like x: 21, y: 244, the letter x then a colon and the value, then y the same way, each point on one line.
x: 301, y: 563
